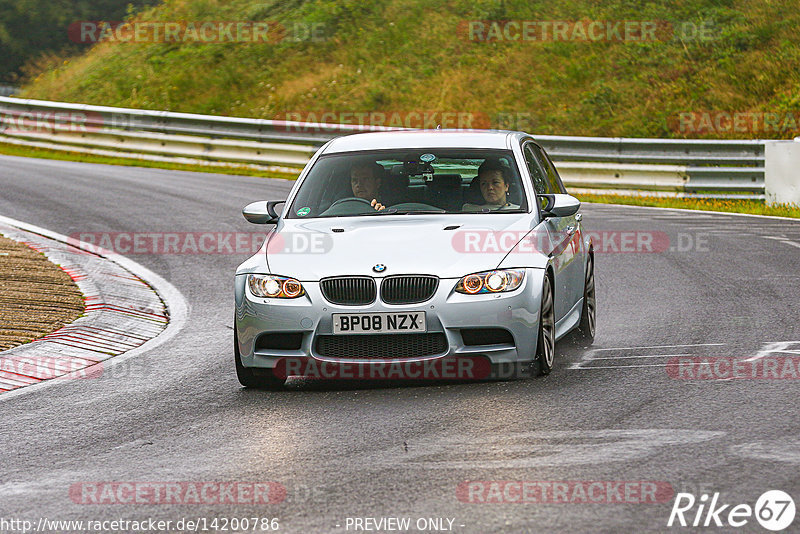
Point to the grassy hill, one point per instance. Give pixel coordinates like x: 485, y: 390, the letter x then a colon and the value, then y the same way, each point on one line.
x: 404, y: 56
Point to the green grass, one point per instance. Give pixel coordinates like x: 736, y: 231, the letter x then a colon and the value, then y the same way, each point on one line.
x: 63, y: 155
x: 413, y: 56
x: 755, y: 207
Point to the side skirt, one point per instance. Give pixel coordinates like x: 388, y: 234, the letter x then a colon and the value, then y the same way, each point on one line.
x: 570, y: 320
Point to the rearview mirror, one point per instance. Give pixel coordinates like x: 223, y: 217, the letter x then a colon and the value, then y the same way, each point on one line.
x: 560, y: 205
x: 262, y: 212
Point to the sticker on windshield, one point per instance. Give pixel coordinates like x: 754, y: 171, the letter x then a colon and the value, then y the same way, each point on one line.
x: 427, y: 158
x: 302, y: 212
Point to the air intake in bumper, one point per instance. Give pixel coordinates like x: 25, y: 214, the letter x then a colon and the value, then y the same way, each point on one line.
x: 381, y: 346
x: 279, y: 341
x: 486, y: 336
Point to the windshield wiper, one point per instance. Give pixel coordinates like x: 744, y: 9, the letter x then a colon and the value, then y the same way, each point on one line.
x: 414, y: 212
x: 395, y: 211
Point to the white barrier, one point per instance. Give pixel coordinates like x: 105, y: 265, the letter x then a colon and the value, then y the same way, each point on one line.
x: 782, y: 172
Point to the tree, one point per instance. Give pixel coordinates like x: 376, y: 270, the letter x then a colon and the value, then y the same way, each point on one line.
x: 31, y: 28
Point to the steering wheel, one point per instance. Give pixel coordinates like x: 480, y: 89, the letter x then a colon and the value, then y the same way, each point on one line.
x: 351, y: 199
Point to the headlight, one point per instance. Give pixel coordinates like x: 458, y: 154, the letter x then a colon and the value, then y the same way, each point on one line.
x: 491, y: 282
x: 279, y: 287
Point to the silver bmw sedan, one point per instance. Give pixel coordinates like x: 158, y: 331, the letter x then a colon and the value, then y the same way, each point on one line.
x: 413, y: 255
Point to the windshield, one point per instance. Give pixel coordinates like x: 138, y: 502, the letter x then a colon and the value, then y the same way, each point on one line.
x: 411, y: 181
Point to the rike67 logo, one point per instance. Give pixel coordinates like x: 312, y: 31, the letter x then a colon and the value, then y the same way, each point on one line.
x: 774, y: 510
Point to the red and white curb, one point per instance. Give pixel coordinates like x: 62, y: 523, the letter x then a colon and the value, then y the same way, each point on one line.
x: 129, y: 310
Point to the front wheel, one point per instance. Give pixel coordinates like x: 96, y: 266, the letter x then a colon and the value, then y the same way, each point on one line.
x: 247, y: 376
x: 546, y: 343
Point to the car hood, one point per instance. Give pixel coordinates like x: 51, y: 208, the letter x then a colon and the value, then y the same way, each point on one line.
x: 448, y: 247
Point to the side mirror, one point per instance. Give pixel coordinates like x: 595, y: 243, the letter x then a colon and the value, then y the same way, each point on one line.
x: 262, y: 212
x: 560, y: 205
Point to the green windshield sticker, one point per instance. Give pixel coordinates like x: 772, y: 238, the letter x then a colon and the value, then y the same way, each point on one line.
x: 302, y: 212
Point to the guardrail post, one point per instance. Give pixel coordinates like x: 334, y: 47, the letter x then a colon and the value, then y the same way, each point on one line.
x: 782, y: 172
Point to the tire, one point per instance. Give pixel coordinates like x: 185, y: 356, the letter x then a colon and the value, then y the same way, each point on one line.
x: 586, y: 328
x: 247, y: 376
x: 546, y: 342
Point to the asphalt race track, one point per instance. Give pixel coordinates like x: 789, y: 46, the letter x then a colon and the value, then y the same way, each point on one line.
x: 721, y: 286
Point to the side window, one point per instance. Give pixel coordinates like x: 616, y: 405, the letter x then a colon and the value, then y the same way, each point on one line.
x: 540, y: 182
x: 553, y: 179
x: 556, y: 177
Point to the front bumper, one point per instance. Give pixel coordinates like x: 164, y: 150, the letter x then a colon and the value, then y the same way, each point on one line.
x: 448, y: 312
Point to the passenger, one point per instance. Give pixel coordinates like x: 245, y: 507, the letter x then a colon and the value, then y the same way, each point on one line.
x: 494, y: 181
x: 365, y: 180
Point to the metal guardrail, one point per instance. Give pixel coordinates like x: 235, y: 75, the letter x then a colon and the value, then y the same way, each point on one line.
x: 718, y: 168
x: 705, y: 164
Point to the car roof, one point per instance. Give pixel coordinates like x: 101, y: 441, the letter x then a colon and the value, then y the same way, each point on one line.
x: 403, y: 139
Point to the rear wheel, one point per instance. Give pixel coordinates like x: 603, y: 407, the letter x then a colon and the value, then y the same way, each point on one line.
x: 247, y: 376
x: 586, y: 328
x: 546, y: 343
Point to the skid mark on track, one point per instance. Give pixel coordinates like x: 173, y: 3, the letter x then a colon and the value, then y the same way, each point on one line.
x: 783, y: 450
x: 640, y: 357
x: 781, y: 239
x: 661, y: 346
x: 636, y: 357
x: 619, y: 357
x: 504, y: 450
x: 778, y: 347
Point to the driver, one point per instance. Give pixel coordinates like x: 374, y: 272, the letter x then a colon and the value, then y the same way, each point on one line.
x: 365, y: 180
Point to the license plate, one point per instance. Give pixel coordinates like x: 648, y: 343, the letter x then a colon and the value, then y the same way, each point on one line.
x: 382, y: 323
